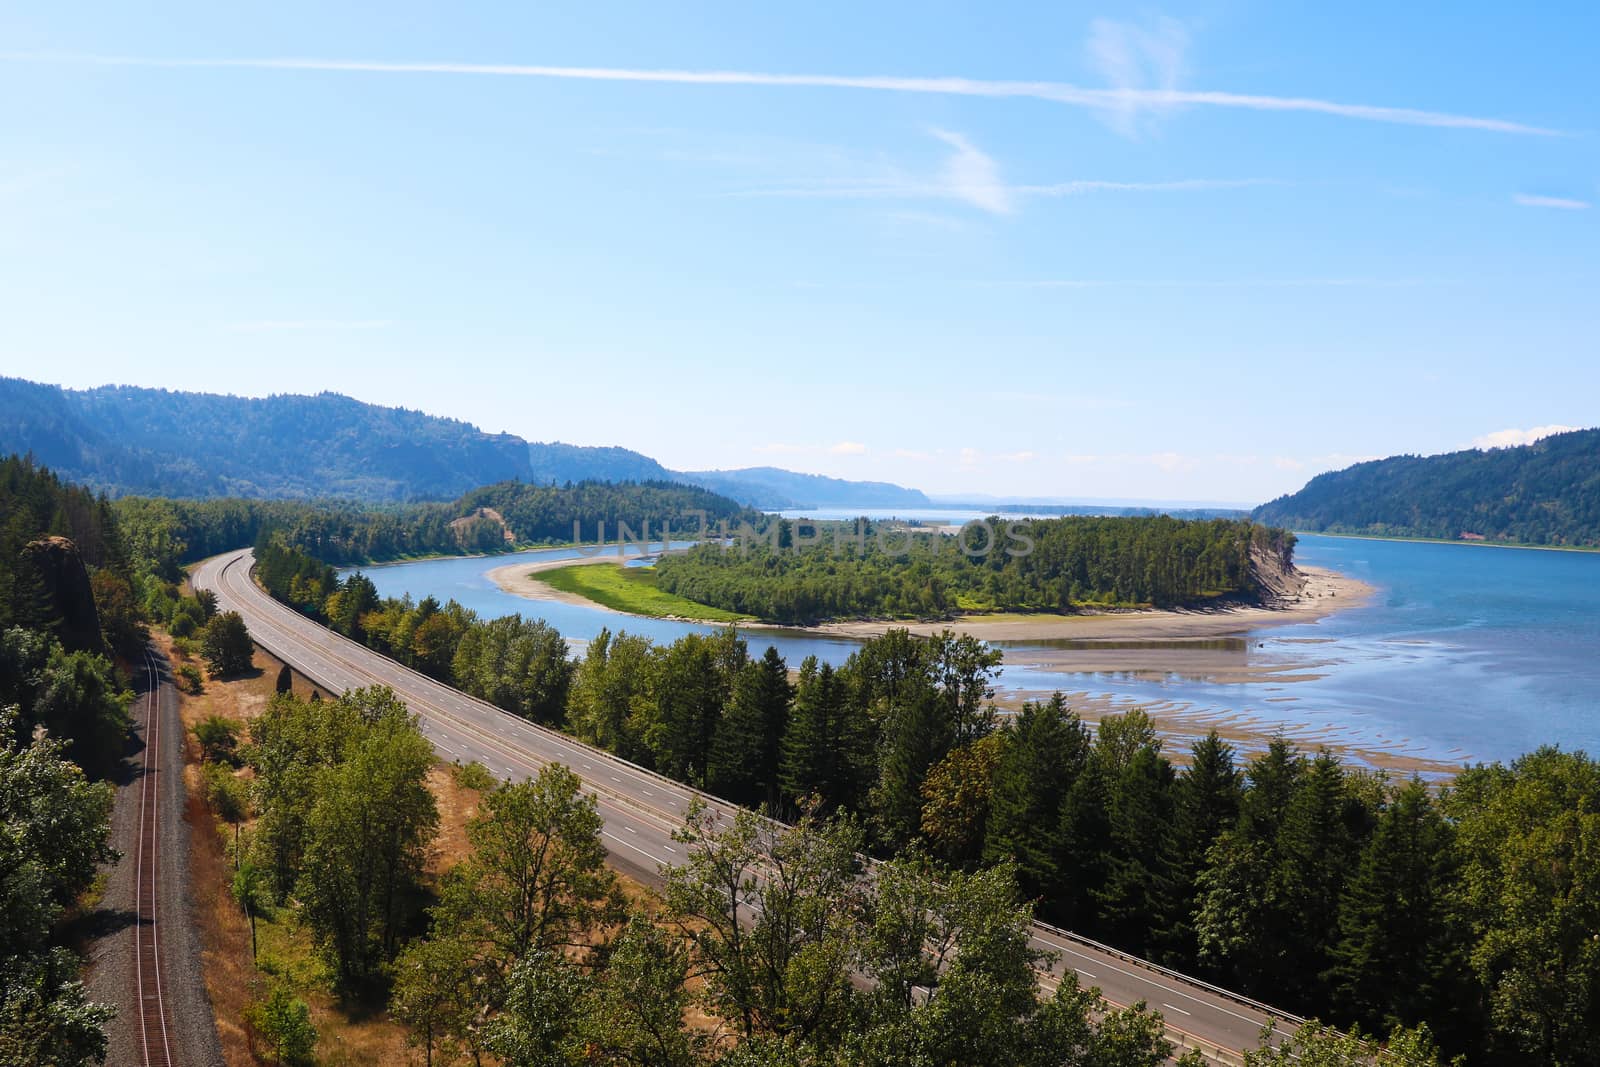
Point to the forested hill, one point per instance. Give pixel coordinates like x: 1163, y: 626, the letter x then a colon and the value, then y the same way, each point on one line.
x: 1546, y: 493
x: 493, y: 518
x: 124, y: 440
x: 152, y: 441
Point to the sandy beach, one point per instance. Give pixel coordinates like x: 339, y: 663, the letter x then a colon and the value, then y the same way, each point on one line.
x: 519, y: 579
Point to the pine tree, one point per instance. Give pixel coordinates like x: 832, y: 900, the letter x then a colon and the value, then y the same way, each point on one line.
x: 1047, y: 749
x: 1137, y: 889
x: 748, y: 745
x: 826, y: 742
x: 1206, y: 802
x: 1398, y: 959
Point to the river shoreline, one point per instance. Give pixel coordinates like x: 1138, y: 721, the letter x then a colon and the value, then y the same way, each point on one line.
x: 1212, y: 646
x: 1324, y: 592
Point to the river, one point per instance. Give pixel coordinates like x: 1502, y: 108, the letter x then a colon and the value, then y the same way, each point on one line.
x: 1464, y: 652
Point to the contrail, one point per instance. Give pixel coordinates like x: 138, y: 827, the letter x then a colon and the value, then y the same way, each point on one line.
x: 1054, y: 92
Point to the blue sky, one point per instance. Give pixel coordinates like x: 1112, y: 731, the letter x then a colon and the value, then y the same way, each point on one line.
x: 1186, y: 252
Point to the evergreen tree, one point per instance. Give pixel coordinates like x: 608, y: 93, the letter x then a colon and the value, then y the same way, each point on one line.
x: 1046, y: 750
x: 1137, y: 890
x: 747, y: 748
x: 692, y: 680
x: 827, y: 743
x: 1206, y: 802
x: 1399, y: 959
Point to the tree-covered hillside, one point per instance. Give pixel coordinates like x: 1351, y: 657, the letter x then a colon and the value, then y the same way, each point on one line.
x: 1546, y: 493
x: 154, y: 442
x: 555, y: 463
x: 493, y: 518
x: 127, y: 440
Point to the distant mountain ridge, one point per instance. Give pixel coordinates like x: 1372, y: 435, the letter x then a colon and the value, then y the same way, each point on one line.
x: 130, y: 440
x: 775, y: 489
x: 1546, y: 493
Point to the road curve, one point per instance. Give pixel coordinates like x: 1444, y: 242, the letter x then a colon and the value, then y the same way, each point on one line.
x: 641, y: 808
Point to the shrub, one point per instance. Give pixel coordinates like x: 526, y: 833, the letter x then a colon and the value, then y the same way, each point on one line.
x: 218, y: 737
x: 284, y: 1022
x: 190, y: 680
x: 473, y: 775
x: 227, y: 795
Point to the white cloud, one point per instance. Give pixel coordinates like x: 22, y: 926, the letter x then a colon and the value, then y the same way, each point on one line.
x: 310, y: 324
x: 1181, y: 185
x: 1214, y: 283
x: 848, y: 448
x: 1559, y: 202
x: 1512, y: 438
x: 967, y: 174
x: 1134, y: 60
x: 1112, y: 101
x: 970, y: 175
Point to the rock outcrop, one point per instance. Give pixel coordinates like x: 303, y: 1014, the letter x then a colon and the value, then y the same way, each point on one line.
x: 67, y: 595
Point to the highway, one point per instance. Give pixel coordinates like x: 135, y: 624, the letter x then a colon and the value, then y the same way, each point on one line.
x: 641, y: 809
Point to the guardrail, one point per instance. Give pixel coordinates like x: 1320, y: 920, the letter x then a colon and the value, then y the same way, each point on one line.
x: 1275, y: 1014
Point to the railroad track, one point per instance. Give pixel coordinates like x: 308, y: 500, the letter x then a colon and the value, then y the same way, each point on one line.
x: 154, y: 1039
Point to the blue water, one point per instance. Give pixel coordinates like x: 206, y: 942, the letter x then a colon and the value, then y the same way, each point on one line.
x: 1463, y: 652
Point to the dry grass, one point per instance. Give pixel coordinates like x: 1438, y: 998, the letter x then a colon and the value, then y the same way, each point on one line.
x: 347, y: 1034
x: 233, y: 980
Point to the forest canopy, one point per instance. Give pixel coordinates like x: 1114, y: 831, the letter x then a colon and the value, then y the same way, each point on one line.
x: 1056, y: 565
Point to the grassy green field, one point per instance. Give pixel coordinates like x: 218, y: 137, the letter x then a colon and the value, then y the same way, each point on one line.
x: 630, y: 589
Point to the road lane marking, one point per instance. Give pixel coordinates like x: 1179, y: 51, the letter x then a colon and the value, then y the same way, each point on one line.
x: 1177, y: 1009
x: 636, y: 848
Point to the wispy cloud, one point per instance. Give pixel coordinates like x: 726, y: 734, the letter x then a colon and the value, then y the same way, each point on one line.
x: 848, y: 448
x: 1214, y: 283
x: 1513, y: 438
x: 970, y: 175
x: 309, y: 324
x: 1136, y: 59
x: 1561, y: 203
x: 1181, y: 185
x: 1105, y: 101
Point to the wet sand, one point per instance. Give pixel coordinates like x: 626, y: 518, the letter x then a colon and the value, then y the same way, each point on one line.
x: 1180, y: 725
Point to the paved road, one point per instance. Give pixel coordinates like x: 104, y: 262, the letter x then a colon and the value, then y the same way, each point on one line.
x: 641, y: 809
x: 145, y: 940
